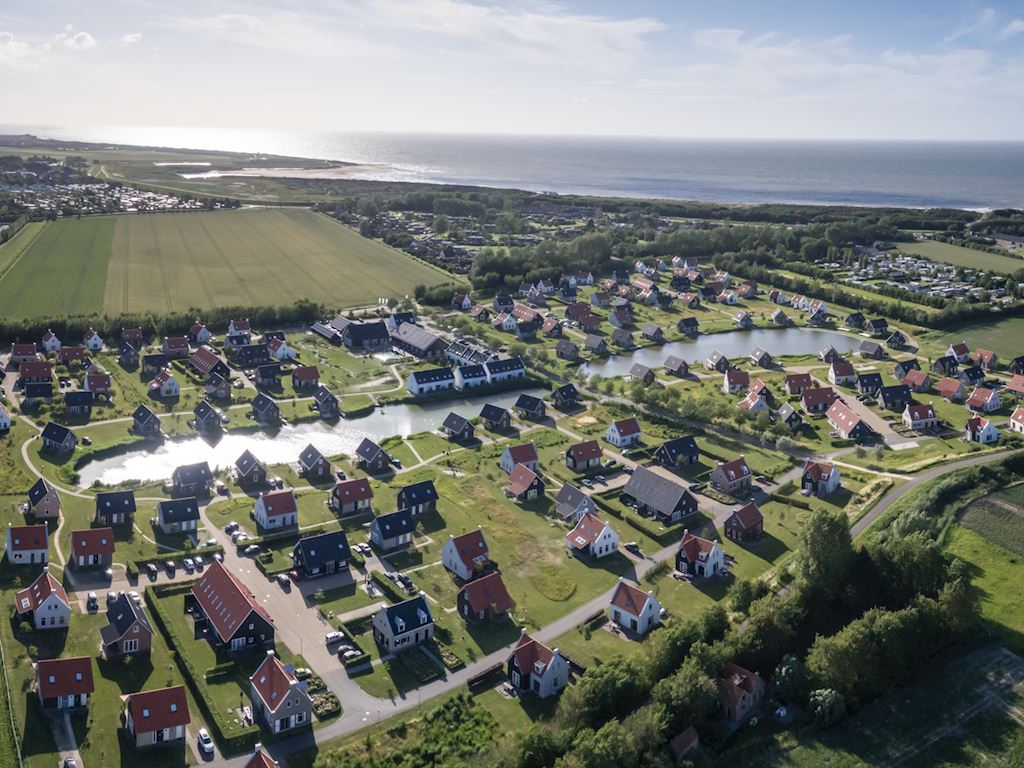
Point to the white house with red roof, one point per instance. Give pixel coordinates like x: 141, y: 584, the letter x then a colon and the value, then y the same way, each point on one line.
x: 592, y: 536
x: 239, y: 622
x: 350, y: 496
x: 466, y: 555
x: 92, y: 341
x: 524, y: 453
x: 156, y: 717
x: 98, y: 383
x: 239, y: 327
x: 164, y: 384
x: 698, y: 556
x: 305, y: 377
x: 260, y: 759
x: 51, y: 344
x: 534, y: 667
x: 846, y: 422
x: 624, y: 432
x: 27, y: 545
x: 978, y: 429
x: 732, y: 477
x: 842, y: 373
x: 92, y: 547
x: 277, y: 509
x: 920, y: 416
x: 960, y: 351
x: 176, y: 346
x: 734, y: 380
x: 985, y: 400
x: 199, y: 333
x: 279, y: 699
x: 633, y: 609
x: 820, y: 478
x: 46, y: 602
x: 583, y: 456
x: 64, y: 683
x: 1017, y: 419
x: 754, y: 402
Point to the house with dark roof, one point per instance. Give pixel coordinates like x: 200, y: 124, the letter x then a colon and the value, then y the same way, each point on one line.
x: 677, y: 451
x: 280, y: 701
x: 371, y: 457
x: 566, y: 350
x: 470, y: 376
x: 745, y: 523
x: 321, y: 555
x: 571, y: 504
x: 128, y: 631
x: 277, y: 509
x: 869, y: 383
x: 31, y: 394
x: 877, y: 326
x: 530, y: 407
x: 157, y: 716
x: 429, y: 381
x: 698, y: 556
x: 896, y: 341
x: 44, y: 602
x: 192, y: 479
x: 250, y: 355
x: 115, y: 507
x: 264, y: 410
x: 237, y: 620
x: 495, y: 419
x: 206, y: 418
x: 457, y: 427
x: 64, y: 683
x: 676, y: 366
x: 533, y: 667
x: 145, y: 422
x: 327, y: 404
x: 398, y: 627
x: 634, y: 610
x: 58, y: 439
x: 658, y: 496
x: 268, y: 375
x: 249, y: 470
x: 739, y: 693
x: 565, y: 397
x: 351, y: 496
x: 366, y: 335
x: 92, y: 547
x: 485, y: 599
x: 153, y: 363
x: 313, y: 464
x: 78, y: 402
x: 178, y: 515
x: 419, y: 498
x: 43, y: 501
x: 419, y: 342
x: 393, y: 530
x: 641, y: 373
x: 467, y: 555
x: 595, y: 345
x: 895, y: 398
x: 871, y: 350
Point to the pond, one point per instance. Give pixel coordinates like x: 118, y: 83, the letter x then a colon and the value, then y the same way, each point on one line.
x: 778, y: 341
x: 284, y: 446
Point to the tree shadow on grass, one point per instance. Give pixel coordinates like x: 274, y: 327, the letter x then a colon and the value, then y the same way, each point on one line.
x: 492, y: 636
x: 767, y: 548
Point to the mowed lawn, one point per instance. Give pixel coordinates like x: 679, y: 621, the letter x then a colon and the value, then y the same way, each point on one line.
x: 261, y: 256
x: 62, y: 271
x: 177, y: 261
x: 959, y: 256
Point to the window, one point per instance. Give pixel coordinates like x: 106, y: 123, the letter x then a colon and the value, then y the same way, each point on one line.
x: 130, y: 646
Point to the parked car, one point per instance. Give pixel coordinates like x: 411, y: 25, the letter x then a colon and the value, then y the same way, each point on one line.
x: 199, y: 562
x: 69, y: 762
x: 86, y: 440
x: 92, y: 602
x: 599, y: 478
x: 231, y: 527
x: 252, y: 550
x: 136, y: 597
x: 189, y: 564
x: 222, y: 490
x: 210, y: 543
x: 108, y: 574
x: 277, y: 482
x: 405, y: 581
x: 341, y: 474
x: 284, y: 581
x: 151, y: 570
x: 111, y: 597
x: 333, y: 637
x: 170, y: 566
x: 586, y: 482
x: 351, y: 654
x: 633, y: 547
x: 205, y: 742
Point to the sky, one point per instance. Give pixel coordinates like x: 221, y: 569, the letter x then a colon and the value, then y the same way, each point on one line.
x: 930, y: 69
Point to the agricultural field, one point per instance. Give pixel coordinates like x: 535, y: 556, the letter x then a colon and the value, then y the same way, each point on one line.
x: 962, y: 257
x: 1001, y: 335
x: 177, y: 261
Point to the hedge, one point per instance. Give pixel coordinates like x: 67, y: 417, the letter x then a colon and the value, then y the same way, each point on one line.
x: 798, y: 503
x: 242, y: 742
x: 387, y: 587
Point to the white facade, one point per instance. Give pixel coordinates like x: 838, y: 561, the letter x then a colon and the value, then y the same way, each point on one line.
x: 620, y: 440
x: 51, y: 343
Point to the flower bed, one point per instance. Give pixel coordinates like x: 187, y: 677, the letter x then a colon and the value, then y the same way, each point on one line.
x: 326, y: 705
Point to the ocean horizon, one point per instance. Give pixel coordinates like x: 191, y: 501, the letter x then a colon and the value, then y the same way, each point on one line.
x: 917, y: 174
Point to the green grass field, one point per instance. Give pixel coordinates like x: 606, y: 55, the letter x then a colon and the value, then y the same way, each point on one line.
x: 962, y: 257
x: 999, y: 335
x: 177, y: 261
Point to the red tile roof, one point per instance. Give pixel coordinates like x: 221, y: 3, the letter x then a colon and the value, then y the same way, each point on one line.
x: 306, y: 373
x: 158, y: 709
x: 629, y: 598
x: 489, y: 593
x: 960, y: 349
x: 842, y: 368
x: 520, y: 479
x: 176, y: 342
x: 1018, y: 415
x: 204, y: 359
x: 64, y: 677
x: 39, y: 592
x: 469, y: 546
x: 225, y: 601
x: 844, y: 419
x: 587, y: 531
x: 272, y: 681
x: 746, y: 517
x: 261, y: 760
x: 814, y: 397
x: 522, y: 454
x: 627, y: 427
x: 28, y: 538
x: 915, y: 378
x: 1016, y: 384
x: 736, y: 468
x: 695, y: 548
x: 948, y: 387
x: 920, y: 411
x: 280, y: 503
x: 737, y: 378
x: 357, y: 489
x: 798, y: 381
x: 528, y: 652
x: 587, y: 451
x: 93, y: 541
x: 35, y: 369
x: 979, y: 397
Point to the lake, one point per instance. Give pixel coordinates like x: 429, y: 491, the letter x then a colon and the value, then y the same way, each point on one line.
x: 284, y: 446
x: 778, y: 341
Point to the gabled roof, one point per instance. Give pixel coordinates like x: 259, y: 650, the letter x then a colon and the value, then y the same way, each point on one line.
x: 817, y: 470
x: 736, y: 468
x: 406, y: 616
x: 842, y: 367
x: 39, y: 490
x: 529, y: 652
x: 455, y: 423
x: 566, y: 392
x: 629, y: 598
x: 121, y: 615
x: 746, y: 517
x: 204, y: 359
x: 1017, y: 417
x: 918, y: 411
x: 656, y: 491
x: 488, y: 593
x: 570, y: 499
x: 305, y: 373
x: 92, y: 541
x: 369, y: 451
x: 38, y: 592
x: 158, y: 709
x: 356, y: 489
x: 520, y: 479
x: 310, y: 456
x: 27, y: 538
x: 841, y: 415
x: 278, y: 503
x: 262, y: 403
x: 417, y: 493
x: 470, y: 547
x: 323, y: 548
x: 817, y: 396
x: 947, y: 387
x: 246, y: 463
x: 915, y: 378
x: 680, y: 446
x: 696, y: 549
x: 587, y: 531
x: 110, y: 502
x: 192, y: 473
x: 225, y: 601
x: 504, y: 366
x: 529, y: 403
x: 178, y: 510
x: 522, y: 454
x: 57, y: 433
x: 64, y: 677
x: 798, y: 380
x: 395, y: 523
x: 627, y: 427
x: 585, y: 451
x: 324, y: 395
x: 272, y: 682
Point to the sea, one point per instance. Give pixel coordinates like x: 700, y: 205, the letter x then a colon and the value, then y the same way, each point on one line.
x: 919, y: 174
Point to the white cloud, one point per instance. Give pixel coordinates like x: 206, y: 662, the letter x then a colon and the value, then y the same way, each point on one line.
x: 15, y: 54
x: 75, y: 41
x: 986, y: 18
x: 1015, y: 27
x: 131, y: 38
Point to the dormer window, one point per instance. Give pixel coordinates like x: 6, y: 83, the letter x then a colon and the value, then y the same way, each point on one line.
x: 538, y: 667
x: 400, y: 624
